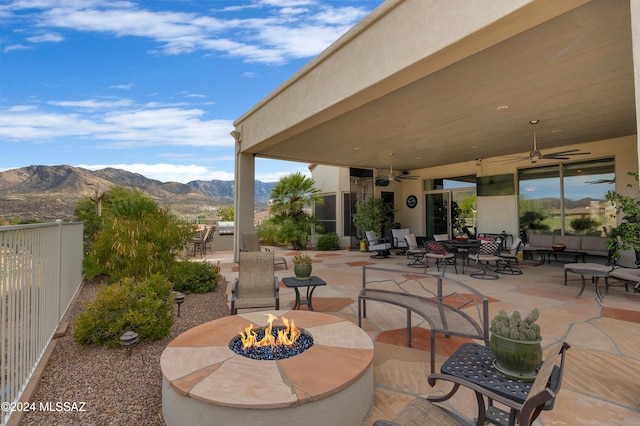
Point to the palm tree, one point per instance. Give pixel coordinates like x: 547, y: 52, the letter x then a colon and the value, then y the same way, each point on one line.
x: 290, y: 196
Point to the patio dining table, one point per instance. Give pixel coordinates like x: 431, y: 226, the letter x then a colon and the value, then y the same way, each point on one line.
x: 462, y: 248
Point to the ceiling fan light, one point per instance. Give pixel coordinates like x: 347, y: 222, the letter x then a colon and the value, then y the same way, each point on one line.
x: 535, y: 155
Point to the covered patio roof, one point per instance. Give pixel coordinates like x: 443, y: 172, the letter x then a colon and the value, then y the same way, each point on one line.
x: 437, y: 86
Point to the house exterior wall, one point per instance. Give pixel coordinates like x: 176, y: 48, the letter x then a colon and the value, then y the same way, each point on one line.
x: 394, y: 48
x: 334, y: 181
x: 494, y: 213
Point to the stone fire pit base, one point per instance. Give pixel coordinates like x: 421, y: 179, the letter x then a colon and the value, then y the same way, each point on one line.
x: 204, y: 382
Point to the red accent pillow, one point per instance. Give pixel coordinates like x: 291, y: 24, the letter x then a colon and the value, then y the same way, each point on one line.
x: 436, y: 248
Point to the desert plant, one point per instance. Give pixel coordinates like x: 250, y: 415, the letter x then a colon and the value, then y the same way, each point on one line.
x: 514, y: 327
x: 145, y: 307
x: 194, y: 277
x: 302, y: 259
x: 329, y: 241
x: 290, y: 197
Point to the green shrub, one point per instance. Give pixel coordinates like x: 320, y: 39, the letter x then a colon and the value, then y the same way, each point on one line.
x: 144, y: 307
x: 268, y: 232
x: 226, y: 213
x: 194, y: 277
x: 137, y: 245
x: 329, y: 241
x: 584, y: 223
x: 133, y: 236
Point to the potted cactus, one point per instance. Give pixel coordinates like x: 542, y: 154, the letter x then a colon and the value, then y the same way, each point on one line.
x: 302, y: 267
x: 515, y: 343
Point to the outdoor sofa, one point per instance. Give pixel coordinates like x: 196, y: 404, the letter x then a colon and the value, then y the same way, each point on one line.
x: 590, y: 245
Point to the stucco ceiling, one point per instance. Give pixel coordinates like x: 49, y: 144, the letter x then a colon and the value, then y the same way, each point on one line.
x: 574, y: 74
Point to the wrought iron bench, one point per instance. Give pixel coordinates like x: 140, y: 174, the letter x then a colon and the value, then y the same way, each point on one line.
x: 444, y: 303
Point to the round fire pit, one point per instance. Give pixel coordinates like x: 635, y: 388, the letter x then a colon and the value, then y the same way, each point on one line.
x: 329, y: 383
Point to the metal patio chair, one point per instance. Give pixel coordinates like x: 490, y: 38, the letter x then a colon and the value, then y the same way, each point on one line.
x: 256, y: 286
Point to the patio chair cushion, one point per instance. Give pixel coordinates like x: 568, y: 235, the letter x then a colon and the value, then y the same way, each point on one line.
x: 491, y: 248
x: 436, y: 248
x: 399, y: 237
x: 256, y: 285
x: 375, y: 243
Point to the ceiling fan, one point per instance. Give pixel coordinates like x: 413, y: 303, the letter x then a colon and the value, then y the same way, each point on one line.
x: 536, y: 154
x: 384, y: 180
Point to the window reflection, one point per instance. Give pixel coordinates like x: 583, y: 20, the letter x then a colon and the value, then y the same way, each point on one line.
x: 567, y: 198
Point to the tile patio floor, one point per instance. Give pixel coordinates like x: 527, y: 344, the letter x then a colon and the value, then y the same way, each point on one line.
x: 602, y: 377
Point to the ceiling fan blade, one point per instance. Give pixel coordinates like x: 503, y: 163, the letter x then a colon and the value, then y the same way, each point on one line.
x: 407, y: 177
x: 562, y: 156
x: 569, y: 152
x: 509, y: 159
x: 594, y: 182
x: 564, y: 152
x: 553, y: 157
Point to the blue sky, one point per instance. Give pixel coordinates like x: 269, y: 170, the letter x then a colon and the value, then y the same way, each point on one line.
x: 151, y: 87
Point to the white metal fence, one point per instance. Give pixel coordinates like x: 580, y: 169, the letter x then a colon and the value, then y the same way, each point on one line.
x: 40, y: 273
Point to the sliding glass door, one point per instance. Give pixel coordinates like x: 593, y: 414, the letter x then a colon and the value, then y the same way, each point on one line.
x: 437, y: 205
x: 450, y: 206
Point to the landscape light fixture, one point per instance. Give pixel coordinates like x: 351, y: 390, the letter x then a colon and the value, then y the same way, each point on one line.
x: 179, y: 299
x: 128, y: 339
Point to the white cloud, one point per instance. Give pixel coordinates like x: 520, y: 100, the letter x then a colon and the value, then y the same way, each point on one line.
x: 46, y: 38
x: 22, y: 108
x: 16, y: 47
x: 287, y: 3
x: 294, y: 28
x: 93, y: 104
x: 166, y: 172
x: 120, y: 128
x: 303, y: 41
x: 343, y: 16
x: 122, y: 86
x: 268, y: 170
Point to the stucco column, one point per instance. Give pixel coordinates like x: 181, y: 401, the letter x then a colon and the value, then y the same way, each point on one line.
x: 244, y: 192
x: 635, y: 43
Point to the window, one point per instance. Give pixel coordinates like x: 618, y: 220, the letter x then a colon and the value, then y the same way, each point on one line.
x: 449, y: 183
x: 326, y: 214
x: 495, y: 185
x: 567, y: 198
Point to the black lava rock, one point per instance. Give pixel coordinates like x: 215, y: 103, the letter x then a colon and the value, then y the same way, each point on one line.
x: 272, y: 353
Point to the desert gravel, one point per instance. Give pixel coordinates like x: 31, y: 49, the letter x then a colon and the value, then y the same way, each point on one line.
x: 116, y: 389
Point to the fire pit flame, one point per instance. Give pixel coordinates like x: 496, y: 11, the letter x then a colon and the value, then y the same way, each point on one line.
x: 286, y: 336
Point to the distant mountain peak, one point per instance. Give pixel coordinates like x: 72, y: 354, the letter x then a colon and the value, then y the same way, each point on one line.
x: 45, y: 193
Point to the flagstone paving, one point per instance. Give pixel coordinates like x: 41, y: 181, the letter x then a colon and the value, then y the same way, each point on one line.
x: 603, y: 365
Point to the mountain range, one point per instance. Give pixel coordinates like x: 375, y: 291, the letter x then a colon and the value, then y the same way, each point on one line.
x: 47, y: 193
